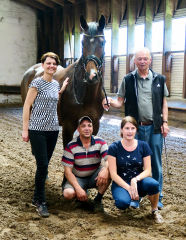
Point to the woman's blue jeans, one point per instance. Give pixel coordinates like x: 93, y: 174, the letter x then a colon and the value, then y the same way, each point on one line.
x: 147, y: 186
x: 43, y: 144
x: 155, y: 142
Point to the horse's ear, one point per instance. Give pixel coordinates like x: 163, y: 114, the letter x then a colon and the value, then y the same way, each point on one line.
x: 102, y: 22
x: 83, y: 23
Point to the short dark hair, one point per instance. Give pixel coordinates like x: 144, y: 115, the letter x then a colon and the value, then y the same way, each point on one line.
x: 51, y: 55
x: 128, y: 119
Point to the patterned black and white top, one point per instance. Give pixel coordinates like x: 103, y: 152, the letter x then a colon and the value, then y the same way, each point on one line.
x: 44, y: 109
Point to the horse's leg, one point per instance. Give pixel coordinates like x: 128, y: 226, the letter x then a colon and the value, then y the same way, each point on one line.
x: 96, y: 127
x: 67, y: 133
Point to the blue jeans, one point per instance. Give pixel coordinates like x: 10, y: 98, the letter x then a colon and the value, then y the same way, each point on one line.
x: 155, y: 142
x: 43, y: 144
x: 147, y: 186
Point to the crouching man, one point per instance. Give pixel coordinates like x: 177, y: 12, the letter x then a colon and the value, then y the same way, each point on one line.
x: 82, y: 165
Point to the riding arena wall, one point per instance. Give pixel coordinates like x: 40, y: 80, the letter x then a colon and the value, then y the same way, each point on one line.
x: 18, y: 46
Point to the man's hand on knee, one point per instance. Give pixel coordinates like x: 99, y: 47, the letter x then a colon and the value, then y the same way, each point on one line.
x: 103, y: 177
x: 81, y: 194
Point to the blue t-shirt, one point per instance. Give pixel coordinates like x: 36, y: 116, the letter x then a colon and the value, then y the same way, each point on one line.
x: 129, y: 164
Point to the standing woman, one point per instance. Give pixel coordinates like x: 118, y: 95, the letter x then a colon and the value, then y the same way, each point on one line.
x: 41, y: 126
x: 130, y: 167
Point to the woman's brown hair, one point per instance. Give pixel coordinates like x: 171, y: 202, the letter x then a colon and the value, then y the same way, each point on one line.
x: 128, y: 119
x: 51, y: 55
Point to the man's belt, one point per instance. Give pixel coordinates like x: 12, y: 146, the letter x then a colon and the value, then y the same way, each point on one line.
x: 146, y: 123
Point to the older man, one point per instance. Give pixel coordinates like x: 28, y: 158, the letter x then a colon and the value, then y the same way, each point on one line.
x: 82, y: 161
x: 144, y: 93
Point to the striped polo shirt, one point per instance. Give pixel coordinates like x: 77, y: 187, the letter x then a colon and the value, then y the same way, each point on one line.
x: 84, y: 162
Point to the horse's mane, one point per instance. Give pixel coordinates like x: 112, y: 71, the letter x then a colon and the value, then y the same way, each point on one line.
x: 92, y: 30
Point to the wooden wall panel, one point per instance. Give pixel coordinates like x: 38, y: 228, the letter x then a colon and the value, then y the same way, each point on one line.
x: 91, y: 11
x: 104, y: 8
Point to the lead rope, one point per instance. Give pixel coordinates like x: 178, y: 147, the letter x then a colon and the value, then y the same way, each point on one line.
x: 74, y: 88
x: 168, y: 167
x: 104, y: 91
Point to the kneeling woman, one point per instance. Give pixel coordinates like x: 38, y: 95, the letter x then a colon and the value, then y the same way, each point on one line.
x: 130, y: 167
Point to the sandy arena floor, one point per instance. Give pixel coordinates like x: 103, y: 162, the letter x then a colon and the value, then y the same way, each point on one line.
x: 19, y: 220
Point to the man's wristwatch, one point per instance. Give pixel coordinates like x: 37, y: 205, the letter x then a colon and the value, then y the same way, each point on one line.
x: 138, y: 179
x: 165, y: 121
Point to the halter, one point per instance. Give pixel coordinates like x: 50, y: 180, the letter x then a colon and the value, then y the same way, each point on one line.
x: 98, y: 62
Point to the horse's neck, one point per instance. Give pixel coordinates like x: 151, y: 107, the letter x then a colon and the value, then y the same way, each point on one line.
x: 93, y: 92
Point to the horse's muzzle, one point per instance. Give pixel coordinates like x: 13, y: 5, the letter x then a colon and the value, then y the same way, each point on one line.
x: 89, y: 79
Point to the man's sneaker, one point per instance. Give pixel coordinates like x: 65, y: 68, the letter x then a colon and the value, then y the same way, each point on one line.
x: 42, y: 210
x: 160, y: 205
x: 134, y: 204
x: 79, y: 204
x: 97, y: 206
x: 47, y: 180
x: 157, y: 217
x: 34, y: 203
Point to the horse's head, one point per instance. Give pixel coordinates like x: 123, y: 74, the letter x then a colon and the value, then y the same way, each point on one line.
x: 93, y: 48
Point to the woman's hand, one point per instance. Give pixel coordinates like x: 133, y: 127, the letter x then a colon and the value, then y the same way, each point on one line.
x: 133, y: 191
x: 25, y: 135
x: 65, y: 83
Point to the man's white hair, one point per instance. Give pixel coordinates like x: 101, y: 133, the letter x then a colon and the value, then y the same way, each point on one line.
x: 142, y: 49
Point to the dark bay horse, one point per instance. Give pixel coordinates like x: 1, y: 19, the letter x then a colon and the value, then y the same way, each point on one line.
x: 84, y: 93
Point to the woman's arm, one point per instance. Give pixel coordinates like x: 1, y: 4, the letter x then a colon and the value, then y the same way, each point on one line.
x: 147, y: 168
x: 132, y: 190
x: 31, y: 95
x: 113, y: 173
x: 65, y: 83
x: 146, y: 173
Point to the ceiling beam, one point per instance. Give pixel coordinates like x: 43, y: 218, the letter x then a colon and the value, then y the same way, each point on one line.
x: 72, y: 1
x: 47, y: 3
x: 35, y: 4
x: 60, y: 2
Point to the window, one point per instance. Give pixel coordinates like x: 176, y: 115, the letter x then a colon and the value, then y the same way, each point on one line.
x: 72, y: 47
x: 157, y: 36
x: 122, y: 41
x: 107, y: 34
x: 81, y: 38
x: 139, y: 37
x: 178, y: 34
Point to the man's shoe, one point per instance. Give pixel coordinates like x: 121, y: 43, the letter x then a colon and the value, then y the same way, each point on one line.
x: 157, y: 217
x: 134, y: 204
x: 42, y: 210
x: 160, y: 205
x: 79, y: 204
x: 47, y: 180
x: 97, y: 206
x: 34, y: 203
